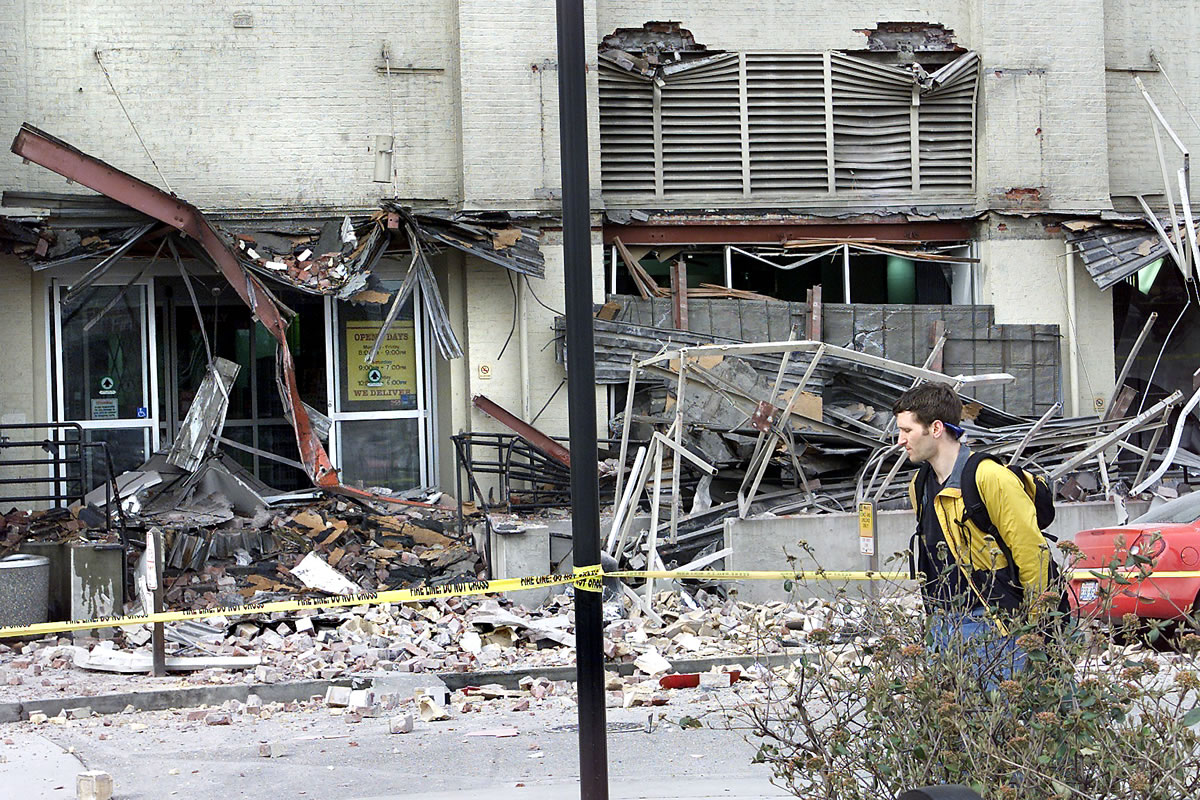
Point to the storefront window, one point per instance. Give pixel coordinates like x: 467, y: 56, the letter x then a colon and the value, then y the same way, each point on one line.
x: 391, y: 381
x: 381, y: 413
x: 380, y: 453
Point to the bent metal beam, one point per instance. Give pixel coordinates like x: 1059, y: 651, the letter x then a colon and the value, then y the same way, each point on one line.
x: 58, y: 156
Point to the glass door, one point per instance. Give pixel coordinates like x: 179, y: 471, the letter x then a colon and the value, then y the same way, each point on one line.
x: 105, y: 377
x: 381, y: 411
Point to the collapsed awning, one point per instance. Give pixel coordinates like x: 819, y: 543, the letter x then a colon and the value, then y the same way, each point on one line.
x: 178, y: 217
x: 1110, y: 254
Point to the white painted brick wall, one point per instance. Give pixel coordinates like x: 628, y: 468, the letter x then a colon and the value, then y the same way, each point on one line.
x: 285, y: 113
x: 1042, y: 101
x: 1132, y: 29
x: 281, y: 114
x: 509, y: 108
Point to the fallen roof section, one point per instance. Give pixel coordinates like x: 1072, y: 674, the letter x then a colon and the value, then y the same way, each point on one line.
x: 1110, y: 253
x: 73, y: 164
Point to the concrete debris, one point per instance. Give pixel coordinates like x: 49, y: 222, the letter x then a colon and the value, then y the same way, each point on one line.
x: 272, y: 750
x: 106, y: 660
x: 402, y: 724
x: 431, y: 710
x: 652, y: 663
x: 94, y: 785
x: 316, y: 574
x: 495, y: 733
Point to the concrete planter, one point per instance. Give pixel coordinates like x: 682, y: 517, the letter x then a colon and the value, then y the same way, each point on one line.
x: 24, y: 589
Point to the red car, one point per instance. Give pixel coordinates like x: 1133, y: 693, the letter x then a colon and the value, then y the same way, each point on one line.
x: 1169, y: 535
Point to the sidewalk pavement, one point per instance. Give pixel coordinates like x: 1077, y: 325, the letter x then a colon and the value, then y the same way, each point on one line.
x: 739, y: 788
x: 35, y: 768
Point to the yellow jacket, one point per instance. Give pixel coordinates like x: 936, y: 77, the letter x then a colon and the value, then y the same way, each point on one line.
x: 1015, y: 518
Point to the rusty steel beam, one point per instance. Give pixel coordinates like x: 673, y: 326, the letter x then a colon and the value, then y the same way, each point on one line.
x: 679, y: 299
x: 742, y: 230
x: 75, y: 165
x: 523, y: 429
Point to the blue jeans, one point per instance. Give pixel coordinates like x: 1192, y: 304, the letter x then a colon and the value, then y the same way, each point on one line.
x: 992, y: 655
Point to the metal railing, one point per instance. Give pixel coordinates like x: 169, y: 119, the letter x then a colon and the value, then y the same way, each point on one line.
x: 62, y: 471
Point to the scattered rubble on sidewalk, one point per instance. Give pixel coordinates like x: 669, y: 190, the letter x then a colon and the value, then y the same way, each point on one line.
x: 438, y: 636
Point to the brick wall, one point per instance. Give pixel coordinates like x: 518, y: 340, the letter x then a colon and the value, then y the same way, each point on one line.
x: 283, y: 113
x: 1132, y: 29
x: 1042, y: 105
x: 509, y: 111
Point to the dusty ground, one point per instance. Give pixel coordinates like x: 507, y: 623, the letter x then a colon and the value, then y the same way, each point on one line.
x: 164, y: 754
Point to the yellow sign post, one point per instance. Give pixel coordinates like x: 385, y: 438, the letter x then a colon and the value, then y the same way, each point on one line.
x: 866, y: 528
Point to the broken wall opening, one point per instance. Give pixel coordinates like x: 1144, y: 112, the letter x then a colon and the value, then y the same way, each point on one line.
x: 931, y: 274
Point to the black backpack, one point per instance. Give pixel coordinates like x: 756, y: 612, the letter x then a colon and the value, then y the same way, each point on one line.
x: 974, y: 510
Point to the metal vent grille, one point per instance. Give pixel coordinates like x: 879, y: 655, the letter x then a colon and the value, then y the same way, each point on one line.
x: 701, y: 129
x: 947, y: 127
x: 872, y: 129
x: 765, y: 125
x: 627, y: 122
x: 786, y: 110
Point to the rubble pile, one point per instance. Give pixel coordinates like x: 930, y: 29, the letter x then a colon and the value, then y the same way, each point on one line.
x: 714, y: 428
x: 457, y: 634
x: 55, y: 524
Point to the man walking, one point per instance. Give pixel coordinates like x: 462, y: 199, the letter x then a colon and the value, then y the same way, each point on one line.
x: 974, y: 579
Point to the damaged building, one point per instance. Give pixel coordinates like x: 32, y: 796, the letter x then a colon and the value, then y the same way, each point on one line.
x: 341, y: 241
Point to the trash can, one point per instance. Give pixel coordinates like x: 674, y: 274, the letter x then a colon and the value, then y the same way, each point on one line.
x: 24, y: 589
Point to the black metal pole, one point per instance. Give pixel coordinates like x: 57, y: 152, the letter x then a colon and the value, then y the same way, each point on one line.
x: 581, y: 393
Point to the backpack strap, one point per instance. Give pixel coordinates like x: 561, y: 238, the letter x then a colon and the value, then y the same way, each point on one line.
x: 920, y: 487
x: 975, y: 510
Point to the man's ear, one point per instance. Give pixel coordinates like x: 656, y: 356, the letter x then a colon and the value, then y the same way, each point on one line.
x: 937, y: 428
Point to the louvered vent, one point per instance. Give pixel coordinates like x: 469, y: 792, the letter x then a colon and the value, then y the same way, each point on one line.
x: 872, y: 139
x: 701, y: 130
x: 626, y: 133
x: 947, y: 128
x: 769, y: 125
x: 786, y: 103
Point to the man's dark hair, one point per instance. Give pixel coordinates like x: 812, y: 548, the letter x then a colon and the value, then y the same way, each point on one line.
x: 930, y: 401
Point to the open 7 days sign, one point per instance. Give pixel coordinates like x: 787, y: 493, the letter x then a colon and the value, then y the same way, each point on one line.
x: 393, y: 374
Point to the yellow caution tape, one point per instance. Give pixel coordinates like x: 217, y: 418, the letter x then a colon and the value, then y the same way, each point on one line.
x: 1105, y: 574
x: 590, y: 579
x: 415, y: 595
x: 759, y: 575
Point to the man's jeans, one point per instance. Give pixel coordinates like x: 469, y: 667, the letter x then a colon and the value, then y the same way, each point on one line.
x: 981, y: 648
